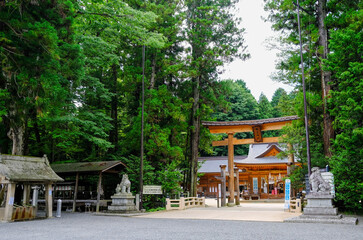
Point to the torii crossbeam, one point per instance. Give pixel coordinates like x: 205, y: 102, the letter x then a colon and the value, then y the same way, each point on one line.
x: 255, y: 126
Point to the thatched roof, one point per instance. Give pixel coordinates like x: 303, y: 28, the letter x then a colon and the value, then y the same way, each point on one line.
x: 27, y: 169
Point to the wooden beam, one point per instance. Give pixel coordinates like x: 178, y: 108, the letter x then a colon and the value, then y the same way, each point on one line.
x: 244, y: 141
x: 247, y: 128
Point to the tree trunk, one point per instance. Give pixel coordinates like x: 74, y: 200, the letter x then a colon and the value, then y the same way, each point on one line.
x: 114, y: 105
x: 328, y: 132
x: 153, y: 74
x: 17, y: 135
x: 195, y: 131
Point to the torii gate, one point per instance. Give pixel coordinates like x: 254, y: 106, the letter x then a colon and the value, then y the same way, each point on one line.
x: 255, y: 126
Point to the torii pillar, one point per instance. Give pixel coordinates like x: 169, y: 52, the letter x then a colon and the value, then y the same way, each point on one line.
x: 230, y: 168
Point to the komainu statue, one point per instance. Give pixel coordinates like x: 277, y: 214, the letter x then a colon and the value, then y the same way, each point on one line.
x: 318, y: 184
x: 124, y: 186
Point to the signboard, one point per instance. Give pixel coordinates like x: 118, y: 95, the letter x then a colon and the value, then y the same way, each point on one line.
x: 255, y: 185
x: 287, y: 193
x: 152, y: 189
x: 329, y: 178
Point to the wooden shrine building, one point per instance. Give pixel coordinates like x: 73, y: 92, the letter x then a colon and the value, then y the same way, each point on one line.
x: 19, y: 176
x: 71, y: 191
x: 259, y: 170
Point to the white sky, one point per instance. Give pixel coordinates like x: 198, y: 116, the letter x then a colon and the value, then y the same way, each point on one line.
x: 255, y: 71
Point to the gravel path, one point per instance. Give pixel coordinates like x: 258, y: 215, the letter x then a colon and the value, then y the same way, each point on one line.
x: 88, y: 226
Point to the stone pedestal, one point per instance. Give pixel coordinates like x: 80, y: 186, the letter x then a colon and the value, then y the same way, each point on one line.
x: 123, y: 203
x: 320, y: 209
x: 320, y: 204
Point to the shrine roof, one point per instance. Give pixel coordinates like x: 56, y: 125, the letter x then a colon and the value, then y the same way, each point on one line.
x: 256, y: 152
x: 27, y: 169
x: 250, y: 122
x: 85, y: 166
x: 211, y: 164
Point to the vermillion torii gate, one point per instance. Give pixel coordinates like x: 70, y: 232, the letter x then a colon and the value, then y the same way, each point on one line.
x: 255, y: 126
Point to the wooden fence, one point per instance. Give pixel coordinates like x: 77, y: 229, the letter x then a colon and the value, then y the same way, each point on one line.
x: 184, y: 203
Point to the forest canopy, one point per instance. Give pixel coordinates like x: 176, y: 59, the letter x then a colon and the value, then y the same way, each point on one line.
x: 71, y: 73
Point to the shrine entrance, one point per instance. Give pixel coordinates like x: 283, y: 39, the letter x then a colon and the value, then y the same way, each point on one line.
x: 260, y: 174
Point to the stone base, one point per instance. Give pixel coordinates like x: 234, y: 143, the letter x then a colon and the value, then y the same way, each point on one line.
x: 320, y: 204
x: 123, y: 203
x: 122, y: 209
x: 320, y: 209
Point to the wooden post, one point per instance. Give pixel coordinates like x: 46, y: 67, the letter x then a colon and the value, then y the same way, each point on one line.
x: 223, y: 185
x: 48, y: 200
x: 9, y: 202
x: 75, y: 193
x: 236, y: 185
x: 26, y: 194
x: 218, y: 191
x: 230, y: 168
x: 99, y: 192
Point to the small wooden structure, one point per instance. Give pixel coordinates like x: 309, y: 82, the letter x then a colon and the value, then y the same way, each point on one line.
x: 254, y: 126
x: 25, y: 172
x: 88, y: 168
x: 183, y: 203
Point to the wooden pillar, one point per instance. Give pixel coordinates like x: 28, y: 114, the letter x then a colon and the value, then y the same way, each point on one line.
x: 259, y: 185
x: 99, y: 192
x: 230, y: 168
x: 48, y: 200
x: 8, y: 213
x: 75, y: 193
x: 223, y: 185
x: 26, y: 194
x: 236, y: 186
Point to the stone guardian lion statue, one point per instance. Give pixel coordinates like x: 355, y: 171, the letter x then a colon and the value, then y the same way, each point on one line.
x: 124, y: 186
x: 318, y: 184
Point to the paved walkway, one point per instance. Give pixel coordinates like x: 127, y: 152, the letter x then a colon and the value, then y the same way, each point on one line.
x: 247, y: 211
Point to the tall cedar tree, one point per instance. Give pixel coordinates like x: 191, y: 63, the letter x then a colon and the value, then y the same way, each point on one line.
x: 214, y: 39
x: 40, y: 63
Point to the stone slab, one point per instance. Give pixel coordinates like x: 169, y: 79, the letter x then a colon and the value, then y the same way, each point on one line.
x: 338, y: 216
x: 320, y: 211
x: 344, y: 220
x: 319, y: 196
x: 122, y: 202
x: 121, y: 208
x: 318, y: 202
x: 123, y: 195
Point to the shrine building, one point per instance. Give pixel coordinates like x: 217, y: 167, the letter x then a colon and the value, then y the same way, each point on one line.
x: 260, y: 173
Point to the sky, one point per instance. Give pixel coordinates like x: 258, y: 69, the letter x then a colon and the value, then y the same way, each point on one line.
x: 256, y: 70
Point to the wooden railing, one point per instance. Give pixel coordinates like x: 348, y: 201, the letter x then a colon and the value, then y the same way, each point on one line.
x: 184, y: 203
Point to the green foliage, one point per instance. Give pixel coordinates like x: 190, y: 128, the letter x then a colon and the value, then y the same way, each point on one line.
x: 346, y: 106
x: 264, y: 106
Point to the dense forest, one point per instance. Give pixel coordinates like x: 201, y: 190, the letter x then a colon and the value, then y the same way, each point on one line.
x: 71, y: 84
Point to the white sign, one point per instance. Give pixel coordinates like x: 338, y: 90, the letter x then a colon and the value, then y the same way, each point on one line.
x: 152, y: 189
x: 329, y: 178
x: 287, y: 193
